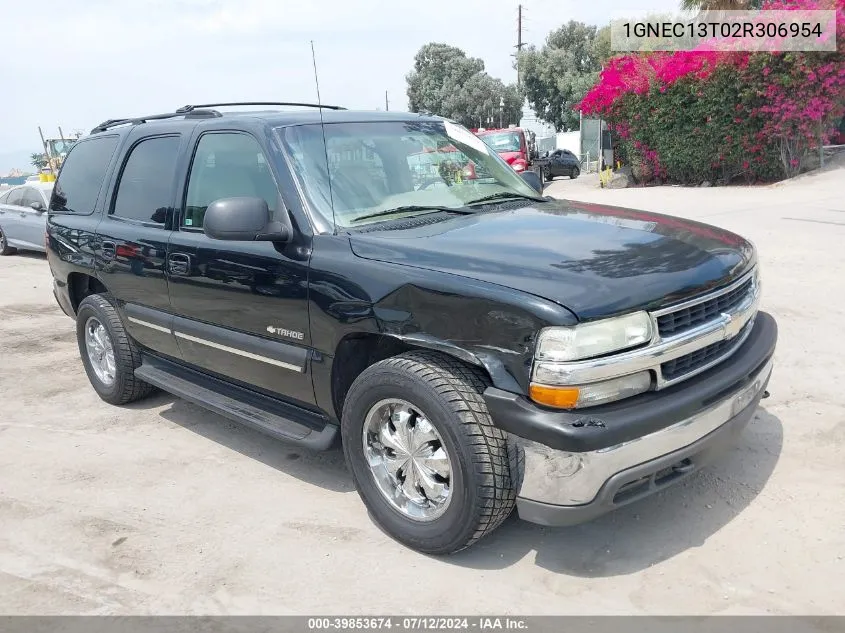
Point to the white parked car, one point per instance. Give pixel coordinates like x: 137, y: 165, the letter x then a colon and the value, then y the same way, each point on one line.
x: 23, y: 217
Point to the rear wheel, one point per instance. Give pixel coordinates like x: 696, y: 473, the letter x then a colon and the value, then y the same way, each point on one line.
x: 547, y: 175
x: 5, y: 249
x: 575, y: 173
x: 427, y: 461
x: 110, y: 357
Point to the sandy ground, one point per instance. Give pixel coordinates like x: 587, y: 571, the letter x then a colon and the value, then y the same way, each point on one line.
x: 161, y: 507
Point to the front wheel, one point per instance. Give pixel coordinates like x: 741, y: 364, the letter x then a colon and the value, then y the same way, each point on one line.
x: 427, y: 461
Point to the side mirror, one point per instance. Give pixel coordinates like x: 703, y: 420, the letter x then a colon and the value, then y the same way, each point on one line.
x: 37, y: 206
x: 245, y: 219
x: 533, y: 180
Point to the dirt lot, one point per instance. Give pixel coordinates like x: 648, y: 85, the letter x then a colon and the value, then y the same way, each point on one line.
x: 163, y: 508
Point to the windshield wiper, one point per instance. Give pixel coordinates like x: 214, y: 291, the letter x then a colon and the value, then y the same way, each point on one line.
x: 412, y: 208
x: 504, y: 195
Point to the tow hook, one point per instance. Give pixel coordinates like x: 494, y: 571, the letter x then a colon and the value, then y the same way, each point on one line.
x: 766, y: 394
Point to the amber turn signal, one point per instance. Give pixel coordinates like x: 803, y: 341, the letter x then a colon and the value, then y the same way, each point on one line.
x: 558, y: 397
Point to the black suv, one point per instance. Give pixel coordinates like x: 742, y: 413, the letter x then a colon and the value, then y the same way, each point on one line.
x: 475, y: 345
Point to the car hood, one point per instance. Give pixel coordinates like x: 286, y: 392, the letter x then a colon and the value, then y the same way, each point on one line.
x: 594, y: 260
x: 510, y: 156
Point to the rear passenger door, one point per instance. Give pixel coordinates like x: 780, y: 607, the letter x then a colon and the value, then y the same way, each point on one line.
x: 241, y: 307
x: 132, y: 238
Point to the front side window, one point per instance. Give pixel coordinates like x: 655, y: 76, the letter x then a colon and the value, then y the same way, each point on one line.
x: 145, y: 190
x: 370, y: 169
x: 227, y: 165
x: 30, y: 196
x: 82, y: 175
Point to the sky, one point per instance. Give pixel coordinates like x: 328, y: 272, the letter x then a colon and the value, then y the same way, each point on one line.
x: 75, y: 63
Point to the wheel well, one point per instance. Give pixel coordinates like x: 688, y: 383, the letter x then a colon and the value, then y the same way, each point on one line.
x: 353, y: 355
x: 80, y: 286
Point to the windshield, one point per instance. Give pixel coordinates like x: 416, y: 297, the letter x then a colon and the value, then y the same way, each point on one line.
x: 503, y: 141
x: 59, y: 146
x: 410, y: 167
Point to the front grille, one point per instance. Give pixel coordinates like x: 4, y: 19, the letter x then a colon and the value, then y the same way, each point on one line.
x: 699, y: 358
x: 688, y: 318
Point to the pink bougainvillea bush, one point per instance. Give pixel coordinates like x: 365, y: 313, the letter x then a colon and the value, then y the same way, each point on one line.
x: 691, y: 116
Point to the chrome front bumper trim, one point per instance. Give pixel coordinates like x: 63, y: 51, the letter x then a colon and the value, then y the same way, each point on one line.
x: 547, y: 477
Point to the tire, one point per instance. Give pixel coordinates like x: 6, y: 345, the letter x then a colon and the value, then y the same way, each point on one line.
x: 5, y: 249
x: 548, y: 176
x: 124, y: 387
x: 575, y: 173
x: 449, y: 394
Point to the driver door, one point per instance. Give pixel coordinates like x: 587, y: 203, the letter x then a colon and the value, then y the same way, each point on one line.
x: 241, y: 307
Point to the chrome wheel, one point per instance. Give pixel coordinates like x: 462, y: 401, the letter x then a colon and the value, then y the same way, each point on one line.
x: 100, y: 351
x: 407, y: 459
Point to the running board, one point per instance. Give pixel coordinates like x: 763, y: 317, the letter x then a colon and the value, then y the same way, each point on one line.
x: 277, y: 419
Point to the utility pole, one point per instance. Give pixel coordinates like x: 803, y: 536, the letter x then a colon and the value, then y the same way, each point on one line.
x: 519, y: 46
x: 386, y: 102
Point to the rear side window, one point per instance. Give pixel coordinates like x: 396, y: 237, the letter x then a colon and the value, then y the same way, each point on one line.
x: 15, y: 196
x: 145, y: 190
x: 82, y: 175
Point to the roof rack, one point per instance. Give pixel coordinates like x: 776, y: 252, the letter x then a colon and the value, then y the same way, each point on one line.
x: 189, y: 108
x: 191, y: 114
x: 201, y: 112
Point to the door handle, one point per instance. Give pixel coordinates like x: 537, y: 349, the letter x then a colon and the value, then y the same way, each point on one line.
x: 179, y: 264
x: 109, y: 249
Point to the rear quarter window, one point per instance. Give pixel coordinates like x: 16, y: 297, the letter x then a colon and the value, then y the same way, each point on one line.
x: 81, y: 177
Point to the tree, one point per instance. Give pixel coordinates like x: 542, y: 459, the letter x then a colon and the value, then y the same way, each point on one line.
x: 447, y: 83
x: 439, y: 70
x: 37, y: 160
x: 556, y: 77
x: 478, y: 103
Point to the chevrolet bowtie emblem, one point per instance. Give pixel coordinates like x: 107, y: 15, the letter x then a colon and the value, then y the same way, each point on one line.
x: 731, y: 326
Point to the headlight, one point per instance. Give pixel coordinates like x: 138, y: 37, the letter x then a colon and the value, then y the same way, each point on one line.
x: 561, y: 344
x: 557, y: 346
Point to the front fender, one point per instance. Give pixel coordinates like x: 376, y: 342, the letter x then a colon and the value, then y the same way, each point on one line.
x: 478, y: 322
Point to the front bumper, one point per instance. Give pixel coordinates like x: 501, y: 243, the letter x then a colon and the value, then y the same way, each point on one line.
x: 573, y: 467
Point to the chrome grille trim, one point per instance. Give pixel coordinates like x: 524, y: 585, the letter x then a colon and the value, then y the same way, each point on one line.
x: 659, y: 350
x: 713, y: 294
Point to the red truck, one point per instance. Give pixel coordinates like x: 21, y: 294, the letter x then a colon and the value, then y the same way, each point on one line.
x: 514, y: 144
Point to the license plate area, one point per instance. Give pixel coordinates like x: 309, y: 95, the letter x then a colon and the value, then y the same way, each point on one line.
x: 747, y: 395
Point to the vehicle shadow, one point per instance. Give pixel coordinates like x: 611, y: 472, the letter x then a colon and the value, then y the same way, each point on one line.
x: 325, y: 469
x: 31, y: 255
x: 648, y: 532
